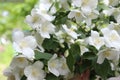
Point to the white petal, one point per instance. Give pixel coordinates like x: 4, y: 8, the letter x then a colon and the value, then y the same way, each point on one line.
x: 31, y: 42
x: 29, y: 53
x: 77, y: 3
x: 27, y: 70
x: 54, y: 71
x: 88, y: 21
x: 100, y: 59
x: 94, y: 34
x: 45, y: 35
x: 38, y: 64
x: 17, y: 47
x: 17, y: 35
x: 19, y: 61
x: 71, y: 14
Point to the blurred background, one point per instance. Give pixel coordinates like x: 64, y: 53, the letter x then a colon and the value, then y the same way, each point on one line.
x: 12, y: 15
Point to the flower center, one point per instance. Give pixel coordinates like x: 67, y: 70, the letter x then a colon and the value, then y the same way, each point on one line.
x: 21, y: 59
x: 34, y: 72
x: 113, y: 37
x: 23, y: 44
x: 106, y: 53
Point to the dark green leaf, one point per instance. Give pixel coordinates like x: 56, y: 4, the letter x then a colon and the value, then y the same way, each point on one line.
x: 92, y: 49
x: 50, y: 44
x: 75, y: 50
x: 82, y: 67
x: 89, y: 56
x: 70, y: 61
x: 74, y: 53
x: 51, y: 77
x: 23, y: 77
x: 40, y: 55
x: 103, y: 69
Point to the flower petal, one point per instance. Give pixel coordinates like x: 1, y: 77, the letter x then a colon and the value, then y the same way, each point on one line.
x: 28, y: 52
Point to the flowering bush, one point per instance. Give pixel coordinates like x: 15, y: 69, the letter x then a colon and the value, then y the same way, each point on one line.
x: 68, y: 40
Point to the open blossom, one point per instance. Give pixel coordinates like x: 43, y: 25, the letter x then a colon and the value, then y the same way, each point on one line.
x: 13, y: 73
x: 111, y: 37
x: 19, y: 61
x: 78, y: 15
x: 58, y: 66
x: 35, y: 19
x: 109, y: 53
x: 34, y: 71
x: 46, y: 29
x: 44, y: 6
x: 86, y: 5
x: 96, y: 40
x: 114, y: 26
x: 70, y: 32
x: 77, y: 3
x: 24, y: 44
x: 64, y: 4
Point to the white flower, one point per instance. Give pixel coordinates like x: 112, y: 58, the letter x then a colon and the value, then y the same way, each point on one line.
x: 46, y: 29
x: 70, y: 32
x: 109, y: 11
x: 96, y: 40
x: 13, y: 73
x: 64, y: 4
x: 114, y: 26
x: 43, y: 11
x: 109, y: 53
x: 111, y: 38
x: 34, y: 71
x: 35, y: 19
x: 24, y: 44
x: 58, y: 66
x: 53, y: 65
x: 77, y: 3
x: 78, y: 15
x: 60, y: 36
x: 64, y: 70
x: 88, y: 5
x: 44, y: 6
x: 19, y: 61
x: 89, y: 16
x: 82, y: 43
x: 39, y: 40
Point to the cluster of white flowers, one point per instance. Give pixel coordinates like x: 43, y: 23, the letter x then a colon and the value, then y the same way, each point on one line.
x: 87, y: 23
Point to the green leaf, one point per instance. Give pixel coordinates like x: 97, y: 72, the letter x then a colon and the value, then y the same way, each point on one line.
x: 75, y: 50
x: 51, y: 77
x: 50, y: 44
x: 40, y: 55
x: 23, y: 77
x: 70, y: 62
x: 82, y: 67
x: 74, y: 53
x: 89, y: 56
x: 102, y: 69
x: 92, y: 49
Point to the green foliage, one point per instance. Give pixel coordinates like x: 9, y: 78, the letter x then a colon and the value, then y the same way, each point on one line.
x: 74, y: 53
x: 103, y: 69
x: 50, y: 44
x: 40, y: 55
x: 52, y: 77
